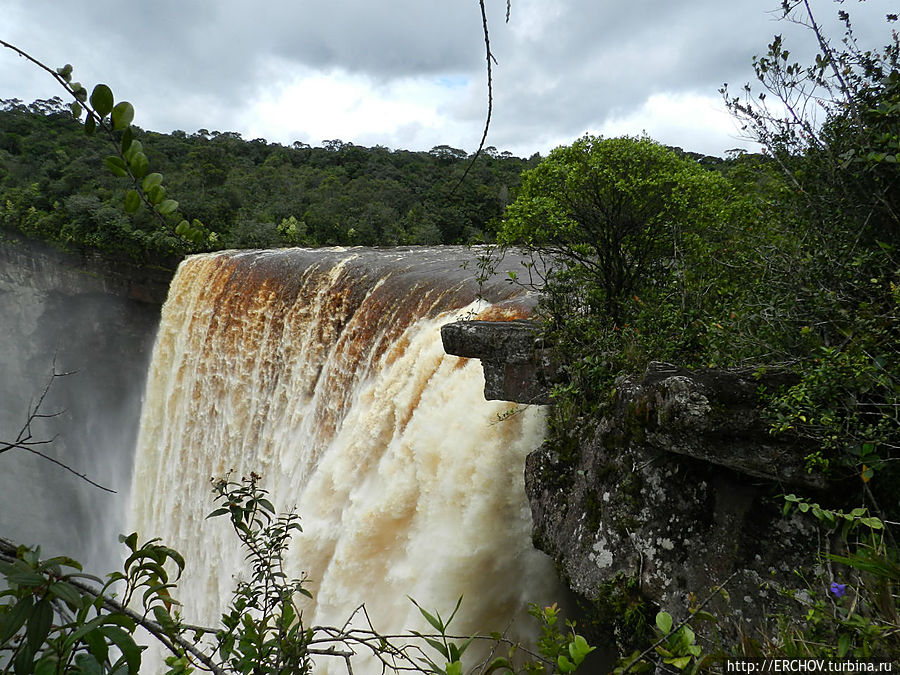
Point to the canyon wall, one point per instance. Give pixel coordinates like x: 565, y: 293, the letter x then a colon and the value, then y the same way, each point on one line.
x: 95, y: 319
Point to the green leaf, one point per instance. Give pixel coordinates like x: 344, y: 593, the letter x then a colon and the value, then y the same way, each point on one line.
x: 127, y: 140
x: 705, y: 616
x: 434, y: 621
x: 163, y: 618
x: 151, y: 180
x: 843, y: 645
x: 131, y: 652
x: 139, y: 164
x: 90, y: 125
x: 76, y: 110
x: 102, y: 100
x: 66, y: 592
x: 167, y: 206
x: 156, y: 194
x: 130, y: 541
x: 579, y: 649
x: 88, y: 665
x: 874, y: 523
x: 96, y: 642
x: 122, y: 115
x: 47, y: 665
x: 134, y: 146
x: 132, y: 201
x: 438, y: 646
x: 60, y: 561
x: 497, y: 664
x: 25, y: 579
x: 564, y: 665
x: 679, y: 662
x: 24, y: 661
x: 11, y: 622
x: 664, y: 622
x: 39, y: 624
x: 117, y: 165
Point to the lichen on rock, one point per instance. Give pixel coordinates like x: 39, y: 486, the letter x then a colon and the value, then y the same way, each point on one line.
x: 675, y: 490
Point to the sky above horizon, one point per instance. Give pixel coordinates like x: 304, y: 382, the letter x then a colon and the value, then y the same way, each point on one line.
x: 410, y: 74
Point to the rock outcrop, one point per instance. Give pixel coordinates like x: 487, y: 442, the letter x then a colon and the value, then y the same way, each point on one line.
x: 676, y: 490
x: 671, y: 492
x: 516, y: 366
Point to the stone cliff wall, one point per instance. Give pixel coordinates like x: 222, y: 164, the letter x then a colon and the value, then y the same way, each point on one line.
x: 95, y: 319
x: 670, y: 493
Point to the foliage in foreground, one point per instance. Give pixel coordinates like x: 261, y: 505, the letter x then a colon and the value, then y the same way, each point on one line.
x: 54, y: 620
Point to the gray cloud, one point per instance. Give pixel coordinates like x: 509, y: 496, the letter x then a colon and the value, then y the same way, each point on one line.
x: 564, y: 67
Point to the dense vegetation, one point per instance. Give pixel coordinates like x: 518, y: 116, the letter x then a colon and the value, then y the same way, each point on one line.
x: 53, y: 186
x: 787, y: 261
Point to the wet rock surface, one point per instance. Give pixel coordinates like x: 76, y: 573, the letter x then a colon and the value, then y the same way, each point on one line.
x: 94, y: 319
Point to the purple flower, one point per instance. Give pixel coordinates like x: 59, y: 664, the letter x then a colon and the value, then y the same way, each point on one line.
x: 838, y: 589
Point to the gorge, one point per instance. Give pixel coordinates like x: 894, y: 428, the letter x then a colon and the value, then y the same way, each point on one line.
x: 324, y: 372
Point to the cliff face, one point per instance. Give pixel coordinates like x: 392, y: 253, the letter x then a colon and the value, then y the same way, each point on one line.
x: 96, y: 320
x: 673, y: 491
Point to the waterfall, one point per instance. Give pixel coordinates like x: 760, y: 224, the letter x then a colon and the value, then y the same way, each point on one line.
x: 323, y: 372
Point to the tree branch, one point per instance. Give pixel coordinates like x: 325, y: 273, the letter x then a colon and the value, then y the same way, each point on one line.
x: 25, y: 438
x: 489, y: 57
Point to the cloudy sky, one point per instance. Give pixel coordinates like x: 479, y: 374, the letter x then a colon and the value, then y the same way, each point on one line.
x: 411, y: 73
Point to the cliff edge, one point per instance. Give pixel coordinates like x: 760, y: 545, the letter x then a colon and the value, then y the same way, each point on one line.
x: 671, y: 493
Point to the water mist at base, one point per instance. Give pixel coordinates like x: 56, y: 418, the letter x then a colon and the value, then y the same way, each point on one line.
x: 323, y: 371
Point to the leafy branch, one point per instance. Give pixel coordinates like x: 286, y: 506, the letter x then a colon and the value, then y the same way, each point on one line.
x: 52, y: 618
x: 129, y: 161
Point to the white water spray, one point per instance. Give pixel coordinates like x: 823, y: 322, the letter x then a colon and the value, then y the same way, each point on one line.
x: 324, y: 372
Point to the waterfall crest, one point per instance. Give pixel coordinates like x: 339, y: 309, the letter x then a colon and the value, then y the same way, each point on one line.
x: 323, y: 371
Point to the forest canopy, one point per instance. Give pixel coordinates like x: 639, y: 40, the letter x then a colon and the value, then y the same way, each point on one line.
x: 248, y: 193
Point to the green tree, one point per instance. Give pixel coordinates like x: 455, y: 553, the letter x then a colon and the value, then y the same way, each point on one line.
x: 614, y: 214
x: 835, y: 128
x: 616, y: 234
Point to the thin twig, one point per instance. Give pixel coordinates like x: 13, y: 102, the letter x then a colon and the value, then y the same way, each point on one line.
x: 25, y: 439
x: 489, y: 56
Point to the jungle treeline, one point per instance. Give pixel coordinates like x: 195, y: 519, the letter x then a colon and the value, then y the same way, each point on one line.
x: 247, y: 193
